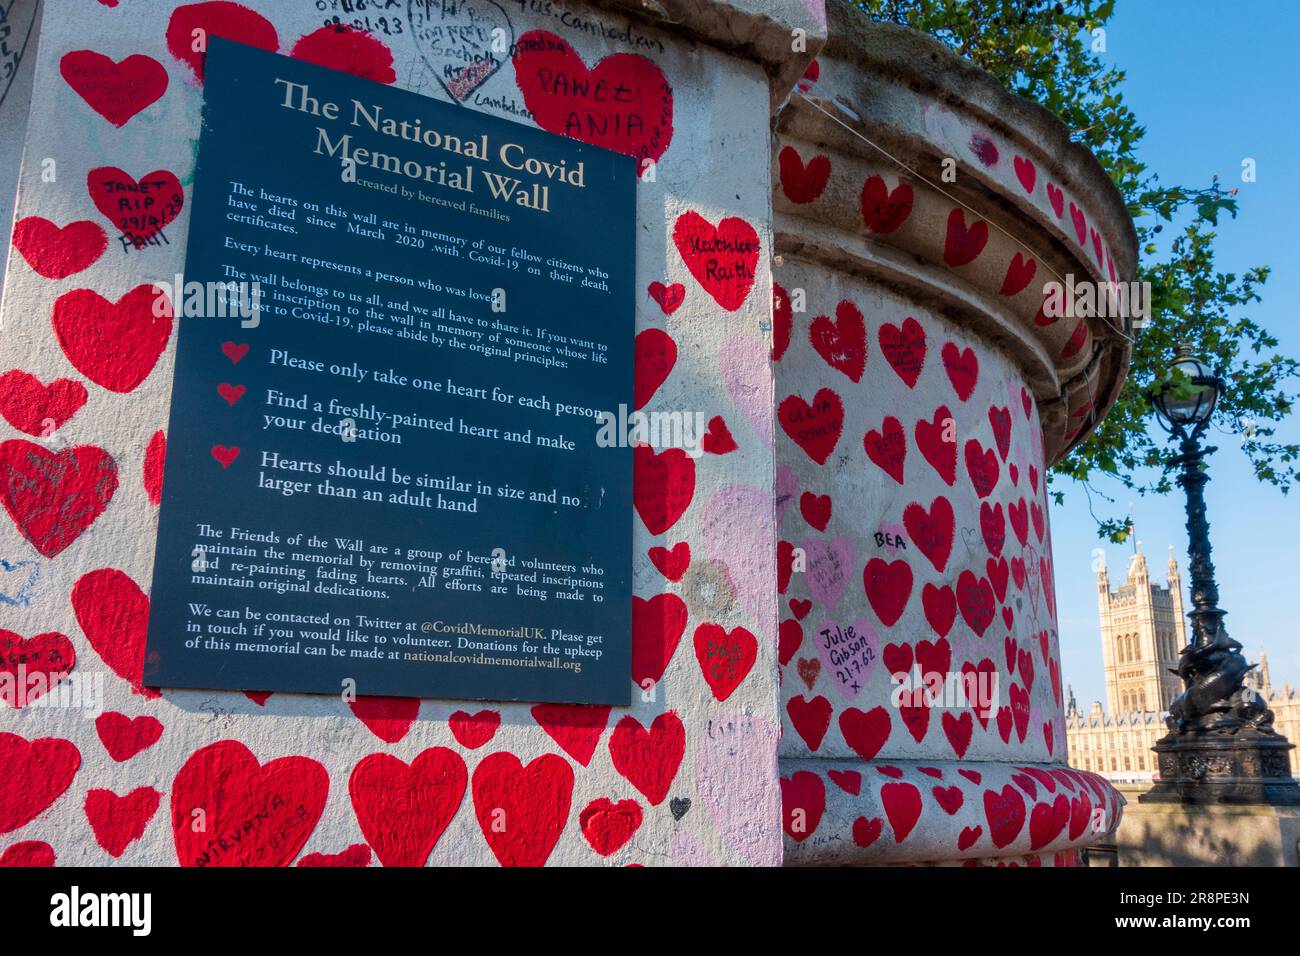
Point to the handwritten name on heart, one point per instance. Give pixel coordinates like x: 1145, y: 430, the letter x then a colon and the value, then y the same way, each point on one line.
x: 814, y: 427
x: 255, y: 814
x: 849, y: 653
x: 139, y: 208
x: 455, y: 41
x: 722, y: 258
x: 116, y: 91
x: 624, y: 103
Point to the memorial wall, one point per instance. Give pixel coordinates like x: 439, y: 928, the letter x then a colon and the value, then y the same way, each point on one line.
x: 419, y: 481
x: 409, y: 459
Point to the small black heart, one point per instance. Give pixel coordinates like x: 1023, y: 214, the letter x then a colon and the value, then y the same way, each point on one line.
x: 678, y: 806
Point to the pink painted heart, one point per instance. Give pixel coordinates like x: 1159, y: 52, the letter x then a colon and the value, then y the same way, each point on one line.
x: 848, y: 653
x: 742, y: 814
x: 829, y: 567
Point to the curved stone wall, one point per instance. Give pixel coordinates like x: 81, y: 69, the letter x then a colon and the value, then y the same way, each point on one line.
x: 921, y: 396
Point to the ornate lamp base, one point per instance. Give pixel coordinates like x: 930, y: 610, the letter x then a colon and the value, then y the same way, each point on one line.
x: 1212, y: 767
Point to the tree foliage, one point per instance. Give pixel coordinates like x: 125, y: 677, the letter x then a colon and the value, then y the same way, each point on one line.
x: 1052, y: 53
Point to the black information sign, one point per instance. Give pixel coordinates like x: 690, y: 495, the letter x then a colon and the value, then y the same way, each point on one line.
x: 385, y: 468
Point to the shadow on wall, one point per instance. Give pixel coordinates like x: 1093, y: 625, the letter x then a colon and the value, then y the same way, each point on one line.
x: 20, y: 24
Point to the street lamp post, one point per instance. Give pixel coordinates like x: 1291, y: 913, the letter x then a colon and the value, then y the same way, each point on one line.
x: 1221, y: 746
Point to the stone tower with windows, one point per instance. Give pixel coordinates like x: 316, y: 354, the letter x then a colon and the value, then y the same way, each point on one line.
x: 1142, y: 633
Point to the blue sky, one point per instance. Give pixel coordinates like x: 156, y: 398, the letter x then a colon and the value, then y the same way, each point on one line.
x: 1212, y: 84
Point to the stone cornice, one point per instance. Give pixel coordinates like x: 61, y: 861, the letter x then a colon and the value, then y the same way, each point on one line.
x: 895, y: 106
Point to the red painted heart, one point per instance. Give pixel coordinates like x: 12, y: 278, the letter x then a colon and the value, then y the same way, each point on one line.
x: 623, y: 103
x: 113, y: 613
x: 1026, y: 173
x: 124, y: 737
x: 940, y: 606
x: 1000, y: 419
x: 139, y: 208
x: 227, y: 809
x: 884, y: 211
x: 937, y: 441
x: 34, y: 665
x: 657, y: 627
x: 810, y: 719
x: 672, y: 562
x: 815, y: 427
x: 816, y: 509
x: 649, y: 759
x: 933, y: 530
x: 53, y: 497
x: 865, y: 732
x: 388, y: 718
x: 963, y: 369
x: 404, y: 810
x: 803, y: 801
x: 888, y: 447
x: 57, y: 253
x: 723, y: 259
x: 575, y: 727
x: 116, y: 91
x: 117, y: 822
x: 963, y: 243
x: 888, y: 587
x: 662, y: 486
x: 904, y: 349
x: 975, y: 600
x: 607, y: 826
x: 655, y: 356
x: 217, y: 18
x: 802, y: 183
x: 725, y: 657
x: 982, y: 466
x: 38, y: 409
x: 33, y: 774
x: 782, y: 321
x: 522, y: 810
x: 474, y: 730
x: 993, y: 525
x: 349, y: 50
x: 114, y: 344
x: 842, y: 343
x: 669, y: 297
x: 155, y: 456
x: 902, y: 803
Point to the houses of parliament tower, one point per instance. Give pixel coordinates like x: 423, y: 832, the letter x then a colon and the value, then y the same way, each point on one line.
x: 1143, y: 630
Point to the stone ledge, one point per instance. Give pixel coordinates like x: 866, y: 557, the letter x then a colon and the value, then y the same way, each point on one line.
x: 760, y: 30
x: 905, y: 811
